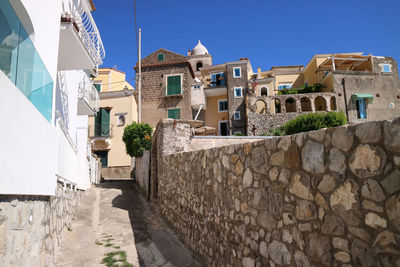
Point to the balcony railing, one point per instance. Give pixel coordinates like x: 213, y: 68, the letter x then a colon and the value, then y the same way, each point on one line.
x: 77, y: 12
x: 88, y: 92
x: 102, y: 130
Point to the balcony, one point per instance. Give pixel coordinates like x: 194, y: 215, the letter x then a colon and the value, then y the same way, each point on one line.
x: 80, y: 44
x: 100, y: 136
x: 88, y: 98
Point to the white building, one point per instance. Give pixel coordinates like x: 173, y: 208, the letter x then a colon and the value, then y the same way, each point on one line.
x: 49, y: 52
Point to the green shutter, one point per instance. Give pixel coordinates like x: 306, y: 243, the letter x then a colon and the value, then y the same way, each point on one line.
x: 174, y: 85
x: 103, y: 157
x: 105, y: 122
x: 160, y: 57
x: 98, y: 87
x: 174, y: 113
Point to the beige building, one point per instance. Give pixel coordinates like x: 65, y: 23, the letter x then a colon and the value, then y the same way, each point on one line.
x: 118, y: 108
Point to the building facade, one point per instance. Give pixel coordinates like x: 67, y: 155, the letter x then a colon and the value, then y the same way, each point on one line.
x: 46, y: 66
x: 117, y: 109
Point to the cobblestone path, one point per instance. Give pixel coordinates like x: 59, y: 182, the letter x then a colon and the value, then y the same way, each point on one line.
x: 114, y: 220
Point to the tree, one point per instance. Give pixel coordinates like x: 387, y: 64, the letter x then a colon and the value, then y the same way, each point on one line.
x: 137, y: 138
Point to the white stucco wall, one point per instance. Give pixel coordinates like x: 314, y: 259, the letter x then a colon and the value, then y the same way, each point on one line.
x: 28, y: 154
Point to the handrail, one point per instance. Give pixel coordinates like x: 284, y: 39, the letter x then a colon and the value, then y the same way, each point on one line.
x: 89, y: 92
x: 80, y: 14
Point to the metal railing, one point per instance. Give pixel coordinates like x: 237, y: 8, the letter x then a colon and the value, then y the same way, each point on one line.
x: 88, y: 92
x: 104, y: 130
x: 80, y: 15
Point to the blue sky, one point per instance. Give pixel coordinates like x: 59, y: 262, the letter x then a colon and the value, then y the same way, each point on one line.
x: 269, y: 33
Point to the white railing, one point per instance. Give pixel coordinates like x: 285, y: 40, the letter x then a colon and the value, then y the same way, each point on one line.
x: 80, y: 14
x: 88, y: 92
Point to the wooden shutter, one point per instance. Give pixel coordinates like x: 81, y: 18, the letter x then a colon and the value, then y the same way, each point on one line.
x: 105, y: 122
x: 174, y: 85
x: 98, y: 87
x: 174, y: 113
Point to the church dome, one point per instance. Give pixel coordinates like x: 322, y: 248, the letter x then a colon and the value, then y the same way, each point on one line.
x: 199, y: 49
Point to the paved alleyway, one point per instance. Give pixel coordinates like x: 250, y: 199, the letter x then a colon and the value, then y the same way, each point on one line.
x: 113, y: 217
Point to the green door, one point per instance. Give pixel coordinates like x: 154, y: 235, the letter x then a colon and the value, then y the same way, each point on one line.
x: 103, y: 155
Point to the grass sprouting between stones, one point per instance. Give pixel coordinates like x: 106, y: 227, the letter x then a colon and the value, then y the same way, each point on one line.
x: 109, y: 260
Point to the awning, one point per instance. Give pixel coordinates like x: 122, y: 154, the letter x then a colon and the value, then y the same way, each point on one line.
x: 354, y: 97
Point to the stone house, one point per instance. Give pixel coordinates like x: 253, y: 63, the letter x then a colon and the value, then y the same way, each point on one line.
x: 166, y: 86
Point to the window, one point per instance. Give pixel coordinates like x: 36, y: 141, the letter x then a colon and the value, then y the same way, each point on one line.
x: 160, y: 57
x: 361, y: 108
x: 222, y: 105
x: 264, y: 91
x: 121, y: 120
x: 174, y: 113
x: 284, y: 86
x: 199, y: 65
x: 238, y: 92
x: 174, y: 85
x: 236, y: 115
x: 102, y: 122
x: 386, y: 68
x: 217, y: 79
x: 237, y: 72
x: 97, y: 86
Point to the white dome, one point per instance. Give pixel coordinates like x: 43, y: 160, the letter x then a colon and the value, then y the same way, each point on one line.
x: 199, y: 49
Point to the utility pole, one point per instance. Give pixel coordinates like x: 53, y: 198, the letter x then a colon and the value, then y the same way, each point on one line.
x: 139, y: 87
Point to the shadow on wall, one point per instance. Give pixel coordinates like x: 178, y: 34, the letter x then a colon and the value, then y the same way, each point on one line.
x: 156, y: 244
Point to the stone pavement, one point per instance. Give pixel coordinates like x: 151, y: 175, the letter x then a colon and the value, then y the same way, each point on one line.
x: 114, y: 216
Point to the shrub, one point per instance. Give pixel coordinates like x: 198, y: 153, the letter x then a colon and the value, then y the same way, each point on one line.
x: 313, y: 88
x: 239, y: 134
x: 137, y: 138
x: 314, y: 121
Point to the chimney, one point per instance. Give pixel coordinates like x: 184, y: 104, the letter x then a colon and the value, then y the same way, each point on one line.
x: 188, y: 53
x: 243, y: 58
x: 258, y: 73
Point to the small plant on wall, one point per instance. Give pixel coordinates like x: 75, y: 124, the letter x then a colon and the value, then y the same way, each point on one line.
x: 137, y: 138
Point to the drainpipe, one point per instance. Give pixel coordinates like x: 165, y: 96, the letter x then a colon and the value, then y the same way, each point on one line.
x: 198, y: 112
x: 345, y: 99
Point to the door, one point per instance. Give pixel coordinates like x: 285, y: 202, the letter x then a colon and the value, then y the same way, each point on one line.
x: 223, y: 128
x: 103, y: 155
x: 361, y: 108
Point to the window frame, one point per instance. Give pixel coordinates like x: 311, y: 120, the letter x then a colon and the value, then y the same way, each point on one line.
x: 260, y: 91
x: 166, y: 83
x: 158, y: 57
x: 234, y: 115
x: 168, y: 109
x: 241, y: 92
x: 220, y: 81
x: 388, y: 67
x: 223, y: 100
x: 234, y: 74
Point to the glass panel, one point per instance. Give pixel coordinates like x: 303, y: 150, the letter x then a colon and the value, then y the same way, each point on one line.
x: 22, y: 64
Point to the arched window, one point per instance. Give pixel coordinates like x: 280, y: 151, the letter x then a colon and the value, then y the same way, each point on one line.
x: 320, y: 104
x: 264, y: 91
x: 199, y: 65
x: 261, y: 107
x: 305, y: 103
x: 333, y: 103
x: 277, y: 106
x: 290, y: 105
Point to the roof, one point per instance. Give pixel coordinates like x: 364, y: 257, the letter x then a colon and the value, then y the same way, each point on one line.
x: 343, y: 61
x: 111, y: 69
x: 199, y: 49
x: 92, y: 5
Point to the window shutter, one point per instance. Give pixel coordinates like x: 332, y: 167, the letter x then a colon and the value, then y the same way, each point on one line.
x: 98, y: 87
x: 174, y: 85
x: 105, y: 122
x: 174, y: 113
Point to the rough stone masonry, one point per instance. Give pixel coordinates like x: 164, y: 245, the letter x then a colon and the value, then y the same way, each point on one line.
x: 324, y: 198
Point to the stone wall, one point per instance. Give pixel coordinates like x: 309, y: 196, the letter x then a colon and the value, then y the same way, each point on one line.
x: 142, y: 169
x: 324, y: 198
x: 116, y: 172
x: 32, y: 227
x: 263, y: 123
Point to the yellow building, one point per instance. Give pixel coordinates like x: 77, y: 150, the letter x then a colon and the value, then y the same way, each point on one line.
x: 118, y: 108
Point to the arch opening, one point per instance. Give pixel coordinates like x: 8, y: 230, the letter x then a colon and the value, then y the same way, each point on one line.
x: 333, y: 103
x: 261, y: 107
x: 320, y: 103
x: 264, y: 91
x: 199, y: 65
x: 290, y: 105
x: 305, y: 103
x: 278, y: 108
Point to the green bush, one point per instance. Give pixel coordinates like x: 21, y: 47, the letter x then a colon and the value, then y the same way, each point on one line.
x: 313, y: 88
x: 239, y: 134
x: 314, y: 121
x: 137, y: 138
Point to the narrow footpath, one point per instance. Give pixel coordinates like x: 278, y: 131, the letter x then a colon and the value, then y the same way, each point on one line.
x: 115, y: 226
